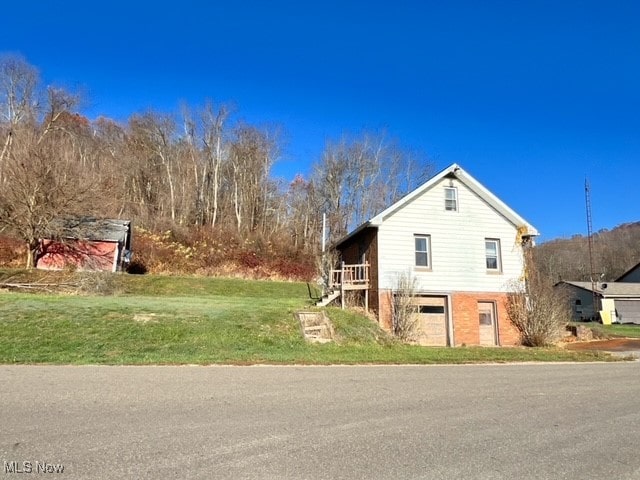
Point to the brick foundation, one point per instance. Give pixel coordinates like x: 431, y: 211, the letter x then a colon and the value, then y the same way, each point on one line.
x: 464, y: 315
x: 465, y: 318
x: 384, y: 309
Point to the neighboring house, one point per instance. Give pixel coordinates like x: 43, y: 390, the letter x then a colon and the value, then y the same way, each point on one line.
x: 463, y: 245
x: 87, y: 244
x: 631, y: 275
x: 616, y: 302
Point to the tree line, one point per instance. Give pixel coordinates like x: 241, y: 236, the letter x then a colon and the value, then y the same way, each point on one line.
x: 613, y: 251
x: 200, y: 169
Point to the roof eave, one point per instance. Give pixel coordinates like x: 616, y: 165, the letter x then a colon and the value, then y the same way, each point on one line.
x: 353, y: 233
x: 496, y: 203
x: 456, y: 171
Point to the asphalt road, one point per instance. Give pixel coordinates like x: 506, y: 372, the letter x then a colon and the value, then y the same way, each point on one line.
x: 570, y: 421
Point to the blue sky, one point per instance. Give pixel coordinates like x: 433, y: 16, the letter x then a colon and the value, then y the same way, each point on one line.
x: 528, y: 97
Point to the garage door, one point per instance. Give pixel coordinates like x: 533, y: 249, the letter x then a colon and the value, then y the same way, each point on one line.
x: 628, y: 311
x: 431, y: 321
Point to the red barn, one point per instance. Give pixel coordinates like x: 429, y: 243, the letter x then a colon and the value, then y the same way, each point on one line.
x: 87, y: 244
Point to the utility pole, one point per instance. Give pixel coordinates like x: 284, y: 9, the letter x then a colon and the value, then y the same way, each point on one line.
x: 587, y: 196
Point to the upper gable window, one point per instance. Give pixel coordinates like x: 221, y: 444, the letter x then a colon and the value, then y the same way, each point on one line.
x: 451, y: 199
x: 492, y: 254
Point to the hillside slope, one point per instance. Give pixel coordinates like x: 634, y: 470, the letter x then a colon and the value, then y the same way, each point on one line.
x: 614, y: 252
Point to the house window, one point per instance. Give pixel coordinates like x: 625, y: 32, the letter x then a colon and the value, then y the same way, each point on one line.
x: 578, y: 306
x: 451, y: 199
x: 431, y: 309
x: 492, y: 254
x: 423, y: 251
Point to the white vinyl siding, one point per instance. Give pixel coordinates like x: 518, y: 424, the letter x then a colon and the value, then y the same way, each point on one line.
x: 459, y: 240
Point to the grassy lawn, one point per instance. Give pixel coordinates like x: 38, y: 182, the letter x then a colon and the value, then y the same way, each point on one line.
x: 190, y: 320
x: 628, y: 331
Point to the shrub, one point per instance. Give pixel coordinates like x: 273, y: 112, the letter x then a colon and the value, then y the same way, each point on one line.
x: 249, y: 259
x: 539, y: 311
x: 295, y: 268
x: 206, y: 252
x: 12, y: 252
x: 97, y: 283
x: 403, y: 318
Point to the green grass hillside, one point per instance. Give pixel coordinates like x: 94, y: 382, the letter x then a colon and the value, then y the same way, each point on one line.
x: 197, y: 320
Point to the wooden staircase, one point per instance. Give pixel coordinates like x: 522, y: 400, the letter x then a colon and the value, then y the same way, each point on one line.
x: 327, y: 298
x: 348, y: 277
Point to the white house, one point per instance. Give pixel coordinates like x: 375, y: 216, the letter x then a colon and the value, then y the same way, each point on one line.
x: 463, y: 245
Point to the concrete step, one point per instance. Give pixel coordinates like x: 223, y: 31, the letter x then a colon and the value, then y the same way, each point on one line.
x: 316, y: 326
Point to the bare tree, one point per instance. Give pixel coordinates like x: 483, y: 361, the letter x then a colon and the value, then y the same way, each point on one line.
x: 116, y: 168
x: 303, y: 215
x: 249, y: 166
x: 614, y: 252
x: 153, y: 135
x: 329, y: 179
x: 403, y: 313
x: 351, y: 169
x: 44, y: 182
x: 44, y: 158
x: 537, y: 309
x: 164, y: 173
x: 215, y: 153
x: 18, y: 90
x: 18, y: 100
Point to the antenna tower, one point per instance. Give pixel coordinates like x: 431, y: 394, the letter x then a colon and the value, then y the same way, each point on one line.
x: 587, y: 196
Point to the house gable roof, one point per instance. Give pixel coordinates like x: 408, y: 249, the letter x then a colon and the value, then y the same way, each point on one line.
x: 609, y: 289
x: 627, y: 273
x: 457, y: 172
x: 93, y: 229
